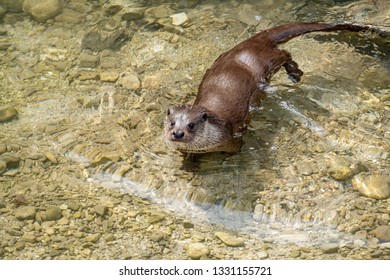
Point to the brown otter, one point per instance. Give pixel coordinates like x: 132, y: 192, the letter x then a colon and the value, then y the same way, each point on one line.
x: 220, y: 113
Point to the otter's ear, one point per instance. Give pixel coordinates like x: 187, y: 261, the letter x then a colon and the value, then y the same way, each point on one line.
x: 205, y: 116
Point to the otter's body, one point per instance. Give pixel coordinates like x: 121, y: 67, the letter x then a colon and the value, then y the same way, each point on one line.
x: 220, y: 113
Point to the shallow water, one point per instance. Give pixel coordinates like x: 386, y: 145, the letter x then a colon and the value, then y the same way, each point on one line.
x: 102, y: 132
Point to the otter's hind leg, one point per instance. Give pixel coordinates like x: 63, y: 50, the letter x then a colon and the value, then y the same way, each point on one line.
x: 294, y: 73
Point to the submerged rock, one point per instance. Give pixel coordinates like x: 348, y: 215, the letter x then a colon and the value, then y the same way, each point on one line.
x: 229, y: 239
x: 372, y: 186
x: 7, y: 113
x: 25, y: 213
x: 42, y: 10
x: 197, y: 250
x: 382, y: 233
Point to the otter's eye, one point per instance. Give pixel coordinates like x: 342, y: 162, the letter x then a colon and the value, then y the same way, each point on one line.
x: 172, y: 123
x: 168, y: 112
x: 204, y: 116
x: 191, y: 125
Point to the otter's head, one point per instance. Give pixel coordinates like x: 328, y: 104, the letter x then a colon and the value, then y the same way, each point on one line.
x: 194, y: 129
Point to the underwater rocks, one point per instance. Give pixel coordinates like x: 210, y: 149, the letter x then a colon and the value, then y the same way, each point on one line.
x: 7, y: 113
x: 42, y: 10
x: 372, y: 186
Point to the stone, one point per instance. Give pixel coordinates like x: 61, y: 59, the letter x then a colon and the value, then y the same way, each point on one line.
x: 151, y: 82
x: 197, y: 251
x: 25, y: 213
x: 262, y: 255
x: 7, y: 113
x: 162, y: 11
x: 110, y: 77
x: 382, y: 233
x: 51, y: 157
x: 100, y: 209
x: 372, y: 186
x: 14, y: 5
x: 229, y: 239
x: 89, y: 60
x: 330, y: 248
x: 93, y: 238
x: 179, y: 19
x: 29, y: 238
x: 340, y: 169
x: 53, y: 213
x: 12, y: 160
x: 3, y: 166
x: 247, y: 14
x: 130, y: 81
x: 42, y: 10
x: 156, y: 235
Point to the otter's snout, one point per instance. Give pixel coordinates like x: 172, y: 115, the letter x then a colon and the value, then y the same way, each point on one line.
x: 178, y: 134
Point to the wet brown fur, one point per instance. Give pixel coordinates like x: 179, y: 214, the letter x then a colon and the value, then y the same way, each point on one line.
x: 227, y: 87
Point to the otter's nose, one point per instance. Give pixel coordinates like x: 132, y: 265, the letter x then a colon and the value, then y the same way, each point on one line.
x: 178, y: 134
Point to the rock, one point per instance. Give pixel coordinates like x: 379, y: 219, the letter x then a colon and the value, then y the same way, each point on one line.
x: 248, y: 15
x: 70, y: 16
x: 53, y: 213
x: 25, y: 213
x: 156, y: 235
x: 100, y: 209
x: 197, y: 251
x: 3, y: 166
x: 132, y: 13
x: 229, y: 239
x: 188, y: 224
x: 130, y: 81
x: 330, y: 248
x: 179, y: 19
x: 14, y: 5
x: 89, y: 60
x: 51, y: 157
x: 110, y: 77
x: 162, y: 11
x: 29, y: 238
x: 42, y: 10
x: 7, y: 113
x: 340, y: 169
x: 382, y: 233
x: 93, y: 238
x: 372, y: 186
x: 151, y: 82
x: 262, y: 255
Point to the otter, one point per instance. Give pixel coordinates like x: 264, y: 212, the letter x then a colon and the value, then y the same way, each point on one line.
x: 235, y: 81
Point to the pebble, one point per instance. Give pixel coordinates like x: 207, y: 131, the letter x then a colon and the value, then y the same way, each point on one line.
x: 89, y: 60
x: 53, y: 213
x: 25, y: 213
x: 130, y: 81
x: 179, y: 19
x: 340, y: 169
x: 110, y: 77
x: 42, y: 10
x: 372, y: 186
x: 93, y: 238
x: 12, y: 160
x: 7, y: 113
x: 229, y: 239
x: 330, y: 248
x: 262, y: 255
x: 100, y: 209
x: 156, y: 235
x: 382, y: 233
x: 151, y: 82
x: 51, y: 157
x: 14, y: 5
x: 29, y: 238
x: 197, y: 251
x: 247, y: 14
x: 3, y: 166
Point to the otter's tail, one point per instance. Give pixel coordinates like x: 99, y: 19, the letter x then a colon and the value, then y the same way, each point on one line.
x: 283, y: 33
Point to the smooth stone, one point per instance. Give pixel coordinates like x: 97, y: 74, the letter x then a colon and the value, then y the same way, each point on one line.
x: 100, y: 209
x: 197, y: 251
x: 93, y: 238
x: 51, y: 157
x: 130, y: 81
x: 3, y: 166
x: 262, y: 255
x: 25, y: 213
x: 53, y: 213
x: 29, y: 238
x: 162, y: 11
x: 12, y: 160
x: 42, y: 10
x: 330, y: 248
x: 156, y: 235
x: 372, y: 186
x: 247, y: 14
x: 382, y: 233
x: 229, y: 239
x: 14, y: 5
x: 340, y: 169
x: 179, y: 19
x: 110, y: 77
x: 7, y: 113
x: 89, y: 60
